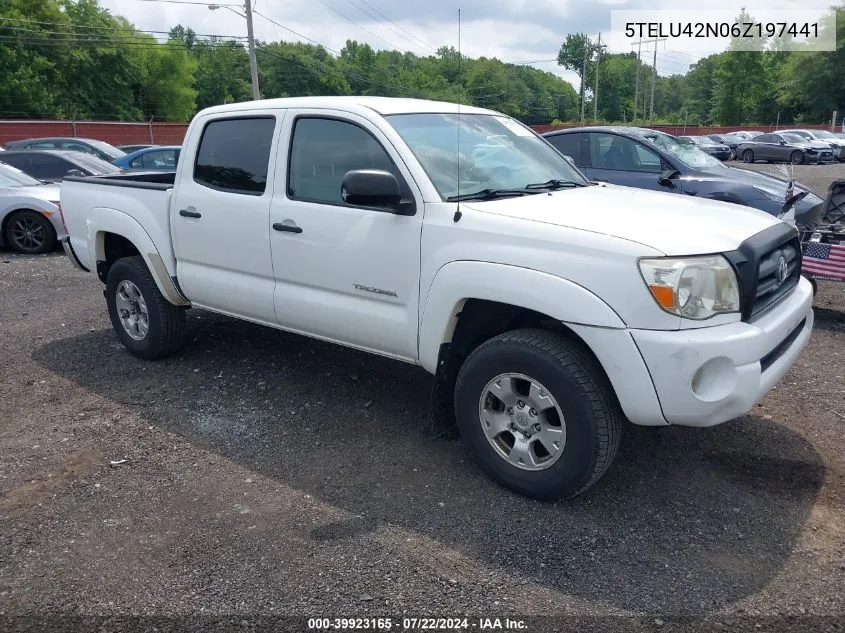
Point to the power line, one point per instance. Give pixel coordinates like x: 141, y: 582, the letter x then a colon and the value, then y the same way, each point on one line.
x: 105, y: 28
x: 411, y: 35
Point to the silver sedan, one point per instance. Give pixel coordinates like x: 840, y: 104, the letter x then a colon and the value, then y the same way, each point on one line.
x: 30, y: 215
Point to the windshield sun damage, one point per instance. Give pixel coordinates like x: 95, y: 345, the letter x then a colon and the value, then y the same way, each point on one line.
x: 689, y: 154
x: 486, y: 152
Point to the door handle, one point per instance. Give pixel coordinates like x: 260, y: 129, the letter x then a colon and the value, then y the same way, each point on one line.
x: 190, y: 214
x: 290, y: 228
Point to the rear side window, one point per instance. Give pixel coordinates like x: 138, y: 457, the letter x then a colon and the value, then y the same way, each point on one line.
x: 234, y: 155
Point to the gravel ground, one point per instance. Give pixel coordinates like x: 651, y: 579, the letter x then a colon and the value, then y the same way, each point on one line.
x: 267, y: 473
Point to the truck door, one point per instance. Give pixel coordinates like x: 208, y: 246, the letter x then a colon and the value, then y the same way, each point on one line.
x: 346, y: 273
x: 220, y: 214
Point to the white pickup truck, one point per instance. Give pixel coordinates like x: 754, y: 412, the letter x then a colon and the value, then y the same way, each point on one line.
x: 548, y: 308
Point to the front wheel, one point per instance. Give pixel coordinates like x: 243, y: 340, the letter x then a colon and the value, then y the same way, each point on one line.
x: 796, y: 157
x: 537, y: 414
x: 146, y: 323
x: 748, y: 156
x: 30, y: 233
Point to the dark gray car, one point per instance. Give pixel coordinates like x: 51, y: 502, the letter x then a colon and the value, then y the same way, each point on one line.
x: 100, y: 149
x: 647, y: 159
x: 782, y: 148
x: 53, y: 165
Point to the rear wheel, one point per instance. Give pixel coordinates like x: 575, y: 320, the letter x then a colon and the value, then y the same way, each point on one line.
x: 537, y: 414
x: 30, y: 232
x: 748, y: 156
x: 796, y: 157
x: 146, y: 323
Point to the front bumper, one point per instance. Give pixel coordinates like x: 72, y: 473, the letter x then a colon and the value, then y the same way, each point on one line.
x: 710, y: 375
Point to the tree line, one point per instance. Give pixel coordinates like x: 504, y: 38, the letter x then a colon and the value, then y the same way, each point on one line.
x: 737, y: 87
x: 71, y: 59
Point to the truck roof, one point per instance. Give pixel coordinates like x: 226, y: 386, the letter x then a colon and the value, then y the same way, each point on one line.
x: 382, y: 105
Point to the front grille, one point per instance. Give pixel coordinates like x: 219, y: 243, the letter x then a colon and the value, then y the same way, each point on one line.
x: 757, y: 263
x: 770, y: 286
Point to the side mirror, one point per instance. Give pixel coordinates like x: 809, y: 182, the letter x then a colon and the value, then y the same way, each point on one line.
x: 666, y: 177
x: 781, y: 142
x: 74, y: 172
x: 372, y: 188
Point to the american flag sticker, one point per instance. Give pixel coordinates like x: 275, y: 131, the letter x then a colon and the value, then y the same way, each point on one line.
x: 824, y: 260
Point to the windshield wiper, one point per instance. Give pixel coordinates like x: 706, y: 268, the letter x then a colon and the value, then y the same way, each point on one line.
x: 489, y: 194
x: 555, y: 183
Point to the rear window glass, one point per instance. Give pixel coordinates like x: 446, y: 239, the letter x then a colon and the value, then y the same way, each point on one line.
x: 234, y: 155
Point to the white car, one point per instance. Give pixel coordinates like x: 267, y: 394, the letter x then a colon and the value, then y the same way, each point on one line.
x: 30, y: 215
x: 549, y: 309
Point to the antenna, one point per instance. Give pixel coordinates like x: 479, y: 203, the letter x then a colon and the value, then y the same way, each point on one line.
x: 460, y: 96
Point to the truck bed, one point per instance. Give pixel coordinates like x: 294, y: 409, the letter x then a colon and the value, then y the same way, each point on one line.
x: 141, y: 200
x: 139, y: 180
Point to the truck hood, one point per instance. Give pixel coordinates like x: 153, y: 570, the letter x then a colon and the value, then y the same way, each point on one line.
x: 671, y: 223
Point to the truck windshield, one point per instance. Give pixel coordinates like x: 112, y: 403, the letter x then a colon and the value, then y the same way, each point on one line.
x: 471, y: 152
x: 14, y: 177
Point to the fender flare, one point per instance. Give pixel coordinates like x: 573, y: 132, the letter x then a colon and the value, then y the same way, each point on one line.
x: 458, y: 281
x: 102, y: 220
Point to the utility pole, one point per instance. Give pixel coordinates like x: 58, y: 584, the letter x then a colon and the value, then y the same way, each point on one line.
x: 637, y: 84
x: 653, y: 80
x: 596, y: 84
x: 653, y: 75
x: 253, y: 64
x: 584, y: 77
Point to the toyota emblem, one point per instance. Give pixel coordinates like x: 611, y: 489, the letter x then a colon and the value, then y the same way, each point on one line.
x: 783, y: 270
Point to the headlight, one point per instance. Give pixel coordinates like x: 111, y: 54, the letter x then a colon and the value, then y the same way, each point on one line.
x: 692, y: 287
x: 772, y: 194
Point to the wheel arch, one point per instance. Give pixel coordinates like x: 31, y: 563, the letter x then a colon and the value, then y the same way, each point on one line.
x: 113, y: 234
x: 10, y: 213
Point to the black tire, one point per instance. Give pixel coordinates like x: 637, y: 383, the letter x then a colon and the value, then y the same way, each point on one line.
x: 166, y: 322
x: 30, y: 233
x: 797, y: 157
x: 748, y: 156
x: 591, y: 412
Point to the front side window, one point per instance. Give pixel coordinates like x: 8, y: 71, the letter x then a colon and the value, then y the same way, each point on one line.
x: 465, y: 153
x: 569, y: 144
x: 323, y: 150
x: 766, y: 138
x: 234, y: 155
x: 609, y: 151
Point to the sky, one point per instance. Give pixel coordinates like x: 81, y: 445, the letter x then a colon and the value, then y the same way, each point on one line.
x: 510, y: 30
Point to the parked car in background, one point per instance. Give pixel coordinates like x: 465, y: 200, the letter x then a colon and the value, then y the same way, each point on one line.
x: 134, y: 148
x: 161, y: 158
x: 51, y: 165
x: 730, y: 139
x: 781, y: 148
x: 100, y: 149
x: 30, y: 217
x: 648, y: 159
x: 746, y: 134
x: 836, y: 144
x: 707, y: 144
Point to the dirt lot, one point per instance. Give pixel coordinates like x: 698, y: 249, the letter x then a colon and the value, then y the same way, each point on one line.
x: 269, y: 474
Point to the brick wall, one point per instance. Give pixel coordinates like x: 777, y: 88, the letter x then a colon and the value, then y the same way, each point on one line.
x: 173, y: 133
x: 680, y: 130
x: 111, y: 132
